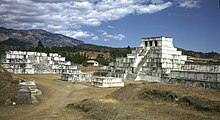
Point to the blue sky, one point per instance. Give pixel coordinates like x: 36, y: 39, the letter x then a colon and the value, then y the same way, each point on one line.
x: 194, y: 24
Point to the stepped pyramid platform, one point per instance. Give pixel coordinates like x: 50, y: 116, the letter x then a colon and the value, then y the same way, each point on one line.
x: 154, y: 58
x: 25, y: 62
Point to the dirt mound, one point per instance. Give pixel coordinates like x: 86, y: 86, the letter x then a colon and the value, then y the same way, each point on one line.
x: 4, y: 72
x: 153, y: 101
x: 8, y: 87
x: 194, y: 101
x: 108, y: 109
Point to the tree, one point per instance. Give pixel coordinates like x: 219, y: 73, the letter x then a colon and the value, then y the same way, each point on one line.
x: 102, y: 60
x: 40, y: 47
x: 78, y: 58
x: 85, y: 64
x: 40, y: 44
x: 129, y: 49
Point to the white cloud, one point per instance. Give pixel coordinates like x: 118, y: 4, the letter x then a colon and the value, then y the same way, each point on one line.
x: 152, y: 8
x: 66, y: 16
x: 189, y: 3
x: 63, y: 15
x: 95, y: 38
x: 157, y: 1
x: 109, y: 26
x: 79, y: 34
x: 83, y: 34
x: 109, y: 37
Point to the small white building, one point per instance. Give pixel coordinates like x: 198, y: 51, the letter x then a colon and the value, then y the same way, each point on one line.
x: 107, y: 82
x: 93, y: 62
x: 72, y: 74
x: 77, y: 76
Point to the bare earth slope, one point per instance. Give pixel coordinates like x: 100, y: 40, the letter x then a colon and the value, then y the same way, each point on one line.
x: 147, y: 101
x: 8, y: 87
x: 136, y: 101
x: 56, y: 95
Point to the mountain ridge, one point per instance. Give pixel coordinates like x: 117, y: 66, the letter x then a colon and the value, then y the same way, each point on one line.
x: 32, y: 36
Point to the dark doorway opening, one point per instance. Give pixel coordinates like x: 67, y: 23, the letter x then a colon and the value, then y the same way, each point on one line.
x: 155, y: 43
x: 145, y: 43
x: 151, y: 43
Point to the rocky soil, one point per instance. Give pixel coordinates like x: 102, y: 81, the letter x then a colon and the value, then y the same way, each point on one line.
x: 147, y: 101
x: 56, y: 95
x: 136, y: 101
x: 8, y: 87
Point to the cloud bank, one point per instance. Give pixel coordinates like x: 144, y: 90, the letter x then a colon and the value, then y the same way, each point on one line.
x: 68, y: 17
x: 189, y: 3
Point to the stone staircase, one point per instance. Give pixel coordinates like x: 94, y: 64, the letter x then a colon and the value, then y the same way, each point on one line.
x: 142, y: 53
x: 141, y: 63
x: 133, y: 76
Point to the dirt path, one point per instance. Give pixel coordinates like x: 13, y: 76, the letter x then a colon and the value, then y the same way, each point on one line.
x: 56, y: 95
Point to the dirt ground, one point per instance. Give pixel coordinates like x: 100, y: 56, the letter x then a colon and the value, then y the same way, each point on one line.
x: 8, y: 87
x: 153, y: 101
x: 56, y: 95
x: 136, y: 101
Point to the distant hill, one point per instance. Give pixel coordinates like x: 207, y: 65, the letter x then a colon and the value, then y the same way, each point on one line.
x: 202, y: 58
x: 92, y: 47
x: 14, y: 42
x: 211, y: 54
x: 12, y: 37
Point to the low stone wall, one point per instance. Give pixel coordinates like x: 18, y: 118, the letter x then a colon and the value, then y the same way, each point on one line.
x: 204, y: 76
x: 193, y: 83
x: 201, y: 68
x: 195, y: 75
x: 148, y: 78
x: 207, y: 80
